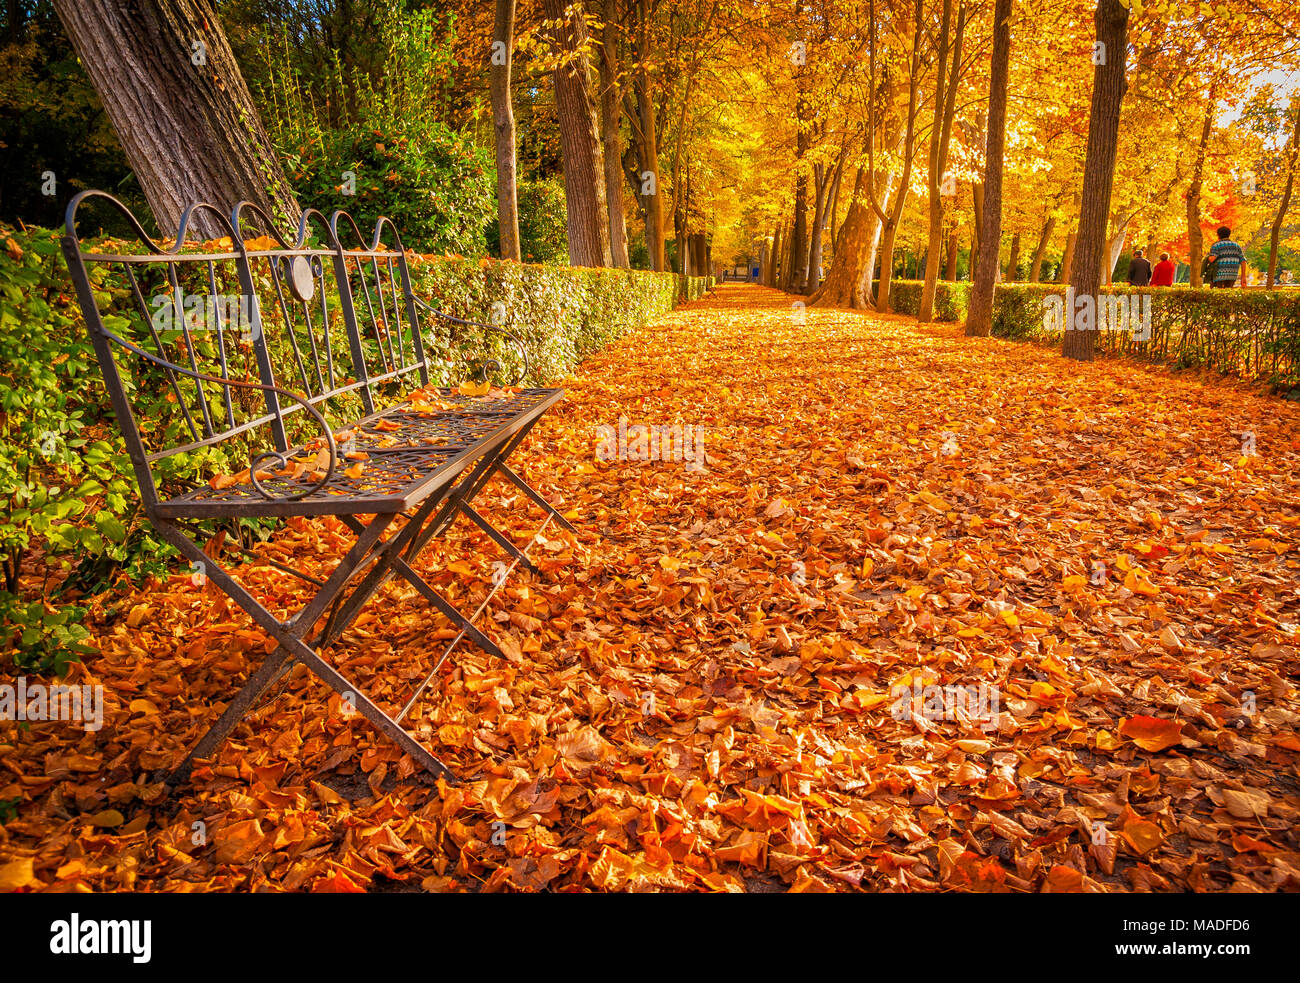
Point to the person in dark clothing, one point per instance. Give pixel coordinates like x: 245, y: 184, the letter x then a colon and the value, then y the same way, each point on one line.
x: 1139, y: 270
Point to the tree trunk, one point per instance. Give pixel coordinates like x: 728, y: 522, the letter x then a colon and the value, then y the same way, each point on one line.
x: 178, y: 103
x: 822, y: 181
x: 833, y: 227
x: 611, y: 101
x: 503, y: 125
x: 648, y: 146
x: 945, y: 103
x: 1067, y: 258
x: 778, y: 252
x: 1108, y: 86
x: 904, y: 185
x: 1116, y: 246
x: 979, y: 320
x: 1194, y: 244
x: 1044, y: 237
x: 854, y: 256
x: 799, y: 234
x: 584, y: 165
x: 950, y: 270
x: 1275, y: 230
x: 1013, y: 261
x: 977, y: 218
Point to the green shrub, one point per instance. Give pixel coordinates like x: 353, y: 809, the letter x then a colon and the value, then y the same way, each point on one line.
x: 1248, y: 333
x: 543, y: 222
x: 951, y: 300
x: 436, y: 187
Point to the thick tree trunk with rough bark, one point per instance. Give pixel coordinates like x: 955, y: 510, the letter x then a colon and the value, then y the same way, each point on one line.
x: 1108, y: 87
x: 503, y: 126
x: 584, y: 165
x: 979, y: 318
x: 848, y: 281
x: 611, y: 101
x: 178, y: 103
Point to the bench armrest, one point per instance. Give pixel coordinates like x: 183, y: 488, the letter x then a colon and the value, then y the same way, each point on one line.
x: 491, y: 363
x: 255, y: 459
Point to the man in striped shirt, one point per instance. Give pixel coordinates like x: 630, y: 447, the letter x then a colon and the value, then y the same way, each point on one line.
x: 1228, y: 258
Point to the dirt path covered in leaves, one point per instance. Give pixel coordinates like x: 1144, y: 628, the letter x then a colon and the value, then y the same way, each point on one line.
x: 1086, y: 587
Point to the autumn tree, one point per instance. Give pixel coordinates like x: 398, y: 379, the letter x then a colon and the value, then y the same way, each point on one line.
x: 503, y: 124
x: 945, y: 105
x: 979, y: 318
x: 1109, y: 83
x: 611, y: 106
x: 179, y: 105
x: 584, y: 165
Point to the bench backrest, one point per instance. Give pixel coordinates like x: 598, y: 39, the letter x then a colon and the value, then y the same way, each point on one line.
x: 251, y: 343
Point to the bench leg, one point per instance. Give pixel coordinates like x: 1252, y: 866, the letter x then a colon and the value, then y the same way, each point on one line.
x: 293, y: 649
x: 275, y: 665
x: 536, y: 496
x: 496, y: 536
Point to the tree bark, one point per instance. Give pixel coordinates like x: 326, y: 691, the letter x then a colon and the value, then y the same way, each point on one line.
x: 1194, y: 242
x: 1044, y: 237
x: 979, y: 320
x: 1013, y: 261
x: 1108, y: 87
x: 950, y: 269
x: 611, y: 101
x: 1067, y: 257
x: 895, y: 216
x: 823, y: 179
x: 503, y: 125
x: 1275, y: 230
x: 778, y: 253
x: 648, y: 147
x: 584, y: 165
x: 945, y: 103
x: 847, y: 281
x: 178, y: 103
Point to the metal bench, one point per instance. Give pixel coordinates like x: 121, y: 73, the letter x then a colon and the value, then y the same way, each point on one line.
x: 198, y: 347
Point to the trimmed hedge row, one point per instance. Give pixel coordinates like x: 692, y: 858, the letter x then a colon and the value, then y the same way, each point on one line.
x: 951, y: 299
x: 1254, y: 334
x: 561, y: 314
x: 1249, y: 333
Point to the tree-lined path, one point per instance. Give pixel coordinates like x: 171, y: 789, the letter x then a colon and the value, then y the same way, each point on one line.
x: 1094, y: 567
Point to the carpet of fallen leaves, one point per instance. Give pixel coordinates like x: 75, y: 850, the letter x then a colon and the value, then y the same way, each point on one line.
x: 698, y: 689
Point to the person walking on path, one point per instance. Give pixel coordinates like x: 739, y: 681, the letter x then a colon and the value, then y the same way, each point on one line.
x: 1227, y: 257
x: 1139, y: 270
x: 1163, y: 274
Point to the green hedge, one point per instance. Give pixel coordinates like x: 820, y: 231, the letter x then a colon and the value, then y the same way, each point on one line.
x: 1249, y: 333
x: 951, y: 300
x: 66, y: 483
x: 1254, y: 334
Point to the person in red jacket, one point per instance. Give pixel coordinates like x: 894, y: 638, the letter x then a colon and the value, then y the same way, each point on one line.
x: 1163, y: 274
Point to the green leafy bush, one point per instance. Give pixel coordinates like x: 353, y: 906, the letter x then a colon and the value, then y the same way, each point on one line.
x: 1249, y: 333
x: 951, y: 300
x: 436, y: 187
